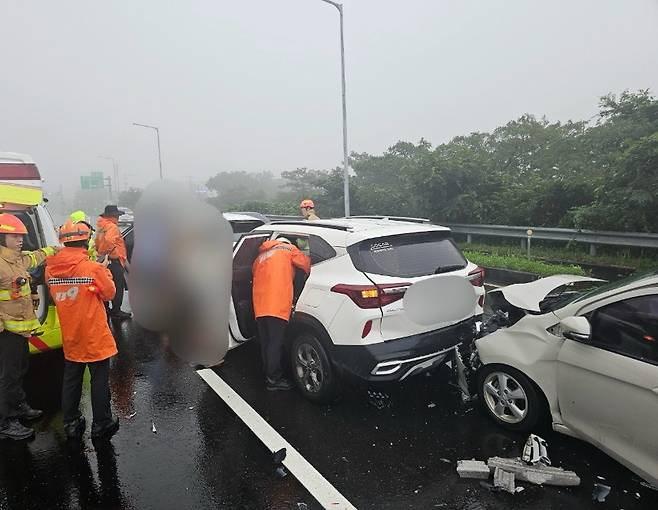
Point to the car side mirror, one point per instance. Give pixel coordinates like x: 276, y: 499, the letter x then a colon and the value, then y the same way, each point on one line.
x: 577, y: 329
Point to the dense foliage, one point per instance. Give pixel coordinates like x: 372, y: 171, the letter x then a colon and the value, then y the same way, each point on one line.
x: 599, y: 174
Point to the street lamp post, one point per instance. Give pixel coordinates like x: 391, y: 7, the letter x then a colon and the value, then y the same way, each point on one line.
x: 115, y: 168
x: 346, y: 174
x: 157, y: 132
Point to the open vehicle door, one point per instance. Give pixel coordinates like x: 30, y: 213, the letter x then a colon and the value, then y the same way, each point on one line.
x: 242, y: 324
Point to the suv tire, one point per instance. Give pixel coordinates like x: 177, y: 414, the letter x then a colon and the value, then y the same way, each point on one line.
x: 312, y: 370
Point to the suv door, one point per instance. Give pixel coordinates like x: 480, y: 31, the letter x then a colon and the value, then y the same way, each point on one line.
x: 608, y: 387
x: 242, y: 325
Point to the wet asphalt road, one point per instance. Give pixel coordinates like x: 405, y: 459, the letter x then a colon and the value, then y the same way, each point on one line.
x: 383, y: 448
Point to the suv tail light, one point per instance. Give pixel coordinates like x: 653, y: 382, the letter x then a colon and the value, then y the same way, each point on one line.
x: 372, y: 296
x: 476, y: 277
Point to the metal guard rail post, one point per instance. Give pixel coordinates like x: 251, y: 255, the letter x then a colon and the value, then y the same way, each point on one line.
x: 591, y: 237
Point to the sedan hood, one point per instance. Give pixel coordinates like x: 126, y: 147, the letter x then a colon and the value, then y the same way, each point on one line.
x: 527, y: 296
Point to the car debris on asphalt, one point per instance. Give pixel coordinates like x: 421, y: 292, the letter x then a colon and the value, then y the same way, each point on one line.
x: 535, y: 451
x: 473, y: 469
x: 600, y: 492
x: 534, y: 467
x: 504, y: 480
x: 537, y: 474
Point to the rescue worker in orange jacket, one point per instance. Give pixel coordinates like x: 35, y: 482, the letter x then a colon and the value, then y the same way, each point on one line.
x: 273, y: 274
x: 79, y: 287
x: 109, y: 243
x: 18, y: 322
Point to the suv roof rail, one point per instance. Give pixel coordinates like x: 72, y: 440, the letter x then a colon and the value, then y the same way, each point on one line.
x: 344, y: 228
x: 392, y: 218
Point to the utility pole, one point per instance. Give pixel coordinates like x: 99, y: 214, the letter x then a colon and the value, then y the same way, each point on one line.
x: 346, y: 173
x: 157, y: 133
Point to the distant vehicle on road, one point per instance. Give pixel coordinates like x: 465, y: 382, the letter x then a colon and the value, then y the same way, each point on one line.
x: 126, y: 219
x: 349, y: 319
x: 587, y: 359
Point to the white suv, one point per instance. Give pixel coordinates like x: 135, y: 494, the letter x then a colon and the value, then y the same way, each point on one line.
x: 349, y: 317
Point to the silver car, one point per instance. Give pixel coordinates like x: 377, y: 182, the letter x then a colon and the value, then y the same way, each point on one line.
x: 589, y: 359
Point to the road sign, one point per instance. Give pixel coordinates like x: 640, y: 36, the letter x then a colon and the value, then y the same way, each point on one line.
x: 94, y: 180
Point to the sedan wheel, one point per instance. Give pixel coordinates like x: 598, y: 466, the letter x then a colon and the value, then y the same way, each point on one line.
x: 510, y: 397
x: 505, y: 397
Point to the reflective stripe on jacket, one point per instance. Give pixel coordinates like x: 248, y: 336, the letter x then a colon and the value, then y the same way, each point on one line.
x: 78, y: 287
x: 16, y: 307
x: 109, y: 241
x: 273, y: 273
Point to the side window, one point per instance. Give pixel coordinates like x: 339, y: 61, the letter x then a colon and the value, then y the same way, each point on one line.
x: 629, y: 327
x: 320, y: 250
x: 248, y: 251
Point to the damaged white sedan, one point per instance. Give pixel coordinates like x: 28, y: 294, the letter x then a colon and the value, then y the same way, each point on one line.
x: 589, y: 359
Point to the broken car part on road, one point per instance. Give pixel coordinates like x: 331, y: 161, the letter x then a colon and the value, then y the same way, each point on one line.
x: 534, y: 467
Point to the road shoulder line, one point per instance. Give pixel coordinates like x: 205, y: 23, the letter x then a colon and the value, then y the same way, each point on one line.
x: 319, y: 487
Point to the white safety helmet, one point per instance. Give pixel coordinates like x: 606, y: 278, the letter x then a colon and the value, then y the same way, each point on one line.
x: 283, y: 239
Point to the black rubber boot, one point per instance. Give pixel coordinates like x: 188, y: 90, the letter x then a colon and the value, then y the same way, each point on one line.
x: 14, y: 429
x: 27, y: 413
x: 75, y: 429
x: 106, y: 431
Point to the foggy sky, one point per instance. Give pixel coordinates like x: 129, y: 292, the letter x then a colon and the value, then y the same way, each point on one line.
x: 254, y: 84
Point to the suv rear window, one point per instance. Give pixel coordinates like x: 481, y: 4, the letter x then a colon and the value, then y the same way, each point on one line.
x: 408, y: 255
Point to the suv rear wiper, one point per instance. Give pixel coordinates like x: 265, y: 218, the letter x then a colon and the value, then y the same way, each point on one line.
x: 445, y: 269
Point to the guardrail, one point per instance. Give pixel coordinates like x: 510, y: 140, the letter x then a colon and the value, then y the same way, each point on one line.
x: 591, y: 237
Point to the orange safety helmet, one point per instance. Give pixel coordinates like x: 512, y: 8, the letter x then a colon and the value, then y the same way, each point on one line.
x: 307, y: 204
x: 10, y: 224
x: 70, y: 232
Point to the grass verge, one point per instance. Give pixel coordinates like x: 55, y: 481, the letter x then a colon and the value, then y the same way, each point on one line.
x: 518, y: 263
x: 607, y: 256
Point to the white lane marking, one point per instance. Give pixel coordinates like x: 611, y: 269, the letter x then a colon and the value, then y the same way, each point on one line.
x: 319, y: 487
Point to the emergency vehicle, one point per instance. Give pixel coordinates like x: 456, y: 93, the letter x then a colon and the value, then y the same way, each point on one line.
x: 21, y: 194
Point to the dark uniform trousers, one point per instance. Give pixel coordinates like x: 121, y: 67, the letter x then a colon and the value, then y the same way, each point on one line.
x: 270, y: 335
x: 14, y: 362
x: 118, y: 276
x: 100, y: 391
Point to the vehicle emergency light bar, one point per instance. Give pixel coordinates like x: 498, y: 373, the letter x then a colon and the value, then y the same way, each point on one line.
x: 19, y: 172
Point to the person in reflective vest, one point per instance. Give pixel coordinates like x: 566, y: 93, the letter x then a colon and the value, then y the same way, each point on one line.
x: 79, y: 287
x: 109, y: 243
x: 18, y: 322
x: 81, y: 217
x: 273, y: 274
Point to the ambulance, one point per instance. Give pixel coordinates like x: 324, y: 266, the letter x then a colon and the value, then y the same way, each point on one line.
x: 21, y: 194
